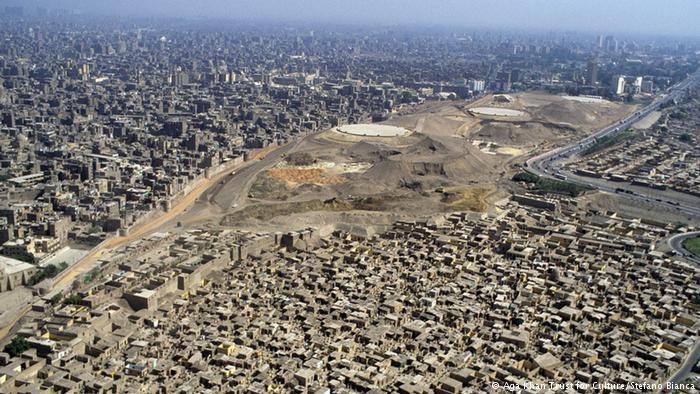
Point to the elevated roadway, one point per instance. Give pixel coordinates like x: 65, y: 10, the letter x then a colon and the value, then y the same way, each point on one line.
x: 548, y: 164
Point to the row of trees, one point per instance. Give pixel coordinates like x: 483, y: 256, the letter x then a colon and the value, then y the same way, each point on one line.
x: 546, y: 185
x: 49, y: 271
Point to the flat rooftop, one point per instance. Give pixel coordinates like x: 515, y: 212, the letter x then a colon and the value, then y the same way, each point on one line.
x: 11, y: 266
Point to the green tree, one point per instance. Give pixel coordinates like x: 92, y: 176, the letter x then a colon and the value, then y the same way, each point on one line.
x: 73, y: 299
x: 90, y: 276
x: 17, y: 346
x: 56, y: 299
x: 47, y: 272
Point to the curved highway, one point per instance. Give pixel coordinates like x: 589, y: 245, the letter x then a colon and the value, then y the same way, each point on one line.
x: 676, y: 243
x: 548, y: 164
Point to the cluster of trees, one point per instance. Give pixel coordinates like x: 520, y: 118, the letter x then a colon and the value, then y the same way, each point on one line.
x: 47, y: 272
x: 678, y: 115
x: 300, y: 159
x: 73, y: 299
x: 606, y: 142
x: 90, y: 276
x: 546, y: 185
x: 17, y: 346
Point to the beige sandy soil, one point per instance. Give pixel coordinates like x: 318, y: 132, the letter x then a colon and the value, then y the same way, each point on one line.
x: 21, y: 307
x: 12, y: 302
x: 647, y: 121
x: 636, y: 209
x: 365, y: 183
x: 453, y: 160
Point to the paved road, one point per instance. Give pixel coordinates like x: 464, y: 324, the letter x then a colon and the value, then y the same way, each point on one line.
x: 548, y: 164
x: 234, y: 190
x: 669, y: 200
x: 676, y: 243
x: 684, y: 372
x: 66, y: 278
x: 223, y: 189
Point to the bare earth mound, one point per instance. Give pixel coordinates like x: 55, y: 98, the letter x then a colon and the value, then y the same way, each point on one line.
x: 449, y: 158
x: 317, y: 176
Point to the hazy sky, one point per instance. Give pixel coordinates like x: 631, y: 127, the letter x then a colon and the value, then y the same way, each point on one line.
x: 649, y: 16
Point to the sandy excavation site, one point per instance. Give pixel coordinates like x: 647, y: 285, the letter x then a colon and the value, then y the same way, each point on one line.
x: 440, y: 156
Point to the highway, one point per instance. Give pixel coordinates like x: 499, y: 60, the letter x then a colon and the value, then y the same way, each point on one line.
x: 548, y: 164
x: 676, y: 243
x: 233, y: 192
x: 684, y: 371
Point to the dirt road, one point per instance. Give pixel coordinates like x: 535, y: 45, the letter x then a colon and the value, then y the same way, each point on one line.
x: 66, y: 278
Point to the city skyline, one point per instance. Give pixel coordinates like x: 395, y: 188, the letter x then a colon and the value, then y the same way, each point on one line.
x: 191, y: 203
x: 626, y: 16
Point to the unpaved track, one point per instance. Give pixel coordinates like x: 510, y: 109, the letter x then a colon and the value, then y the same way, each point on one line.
x: 65, y: 278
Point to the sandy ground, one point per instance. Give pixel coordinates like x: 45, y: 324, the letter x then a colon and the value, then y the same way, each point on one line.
x: 647, y: 121
x: 547, y: 120
x: 67, y: 255
x: 464, y: 156
x: 435, y: 169
x: 636, y: 209
x: 493, y: 111
x: 13, y: 302
x: 585, y: 99
x: 66, y: 278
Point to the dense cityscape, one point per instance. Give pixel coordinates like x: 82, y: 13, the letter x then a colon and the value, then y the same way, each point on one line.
x: 203, y: 206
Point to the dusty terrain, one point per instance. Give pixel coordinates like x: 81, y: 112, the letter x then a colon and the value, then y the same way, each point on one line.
x: 635, y: 209
x: 453, y: 159
x: 18, y: 302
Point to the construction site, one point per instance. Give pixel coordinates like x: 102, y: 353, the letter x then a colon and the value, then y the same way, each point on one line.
x: 444, y: 156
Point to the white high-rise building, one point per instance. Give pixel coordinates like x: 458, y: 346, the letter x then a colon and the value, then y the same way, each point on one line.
x: 476, y: 85
x: 618, y: 84
x: 638, y: 85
